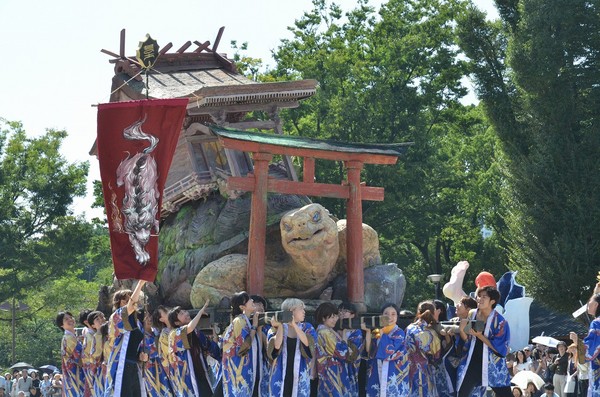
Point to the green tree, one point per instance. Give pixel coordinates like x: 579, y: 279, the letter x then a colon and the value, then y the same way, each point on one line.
x: 537, y: 74
x: 37, y: 337
x: 39, y: 238
x: 245, y: 64
x: 398, y: 79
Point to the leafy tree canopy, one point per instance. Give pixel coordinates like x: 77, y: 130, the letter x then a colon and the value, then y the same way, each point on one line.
x: 396, y: 77
x: 537, y: 74
x: 40, y: 239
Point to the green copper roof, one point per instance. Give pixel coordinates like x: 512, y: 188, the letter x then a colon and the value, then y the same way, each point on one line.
x: 387, y: 149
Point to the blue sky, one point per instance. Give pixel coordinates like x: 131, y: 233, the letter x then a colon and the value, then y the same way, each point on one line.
x: 52, y: 70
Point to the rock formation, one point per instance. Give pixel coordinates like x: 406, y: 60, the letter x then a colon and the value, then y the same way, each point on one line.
x: 206, y: 230
x: 309, y: 238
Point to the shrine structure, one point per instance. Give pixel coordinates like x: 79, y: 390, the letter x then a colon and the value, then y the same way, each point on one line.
x: 213, y: 145
x: 353, y: 156
x: 218, y: 95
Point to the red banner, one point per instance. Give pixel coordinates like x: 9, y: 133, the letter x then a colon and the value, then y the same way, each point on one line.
x: 136, y: 142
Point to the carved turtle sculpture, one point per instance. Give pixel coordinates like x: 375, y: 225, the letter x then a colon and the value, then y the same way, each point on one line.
x: 311, y: 240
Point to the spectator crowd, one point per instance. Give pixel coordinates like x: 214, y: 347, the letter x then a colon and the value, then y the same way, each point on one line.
x: 25, y: 383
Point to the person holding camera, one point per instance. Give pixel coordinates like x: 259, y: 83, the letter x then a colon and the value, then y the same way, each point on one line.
x: 454, y: 355
x: 242, y: 355
x: 263, y: 330
x: 347, y: 311
x: 191, y: 376
x: 484, y: 363
x: 291, y: 347
x: 388, y: 364
x: 440, y: 374
x: 544, y: 365
x: 333, y: 352
x: 583, y: 367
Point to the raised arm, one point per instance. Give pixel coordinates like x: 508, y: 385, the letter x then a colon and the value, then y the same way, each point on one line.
x: 135, y: 296
x: 300, y: 333
x: 194, y: 323
x: 278, y: 334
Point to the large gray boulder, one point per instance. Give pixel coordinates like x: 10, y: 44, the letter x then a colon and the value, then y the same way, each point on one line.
x: 383, y: 284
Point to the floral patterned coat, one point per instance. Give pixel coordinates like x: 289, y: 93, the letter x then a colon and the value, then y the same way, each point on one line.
x: 494, y: 372
x: 73, y: 378
x: 388, y: 368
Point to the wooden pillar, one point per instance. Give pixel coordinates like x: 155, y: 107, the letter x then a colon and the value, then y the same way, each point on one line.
x: 255, y: 280
x: 354, y: 239
x: 309, y: 170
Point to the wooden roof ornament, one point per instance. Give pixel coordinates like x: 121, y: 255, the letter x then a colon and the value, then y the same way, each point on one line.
x: 217, y: 94
x: 201, y: 75
x: 146, y: 55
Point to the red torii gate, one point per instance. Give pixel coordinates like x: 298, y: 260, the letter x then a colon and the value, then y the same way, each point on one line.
x: 354, y: 155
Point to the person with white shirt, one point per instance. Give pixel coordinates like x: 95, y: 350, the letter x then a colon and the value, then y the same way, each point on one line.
x: 8, y: 382
x: 24, y: 383
x: 521, y: 363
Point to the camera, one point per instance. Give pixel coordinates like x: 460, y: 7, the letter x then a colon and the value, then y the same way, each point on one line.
x: 79, y: 331
x: 348, y: 323
x: 205, y: 321
x: 454, y: 326
x: 370, y: 322
x: 279, y: 316
x: 373, y: 322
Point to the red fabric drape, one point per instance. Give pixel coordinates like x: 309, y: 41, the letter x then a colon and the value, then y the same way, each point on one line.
x: 136, y: 142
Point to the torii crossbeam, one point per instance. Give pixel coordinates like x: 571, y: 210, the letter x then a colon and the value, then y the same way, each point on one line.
x: 354, y: 155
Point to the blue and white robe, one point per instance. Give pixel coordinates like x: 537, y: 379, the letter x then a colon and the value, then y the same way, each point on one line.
x: 166, y: 358
x: 388, y: 368
x: 302, y: 362
x: 119, y: 327
x: 592, y: 354
x: 73, y: 377
x: 241, y: 358
x: 423, y: 347
x: 265, y: 364
x: 356, y: 343
x: 97, y: 349
x: 333, y: 353
x: 155, y: 377
x: 183, y: 378
x: 494, y: 372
